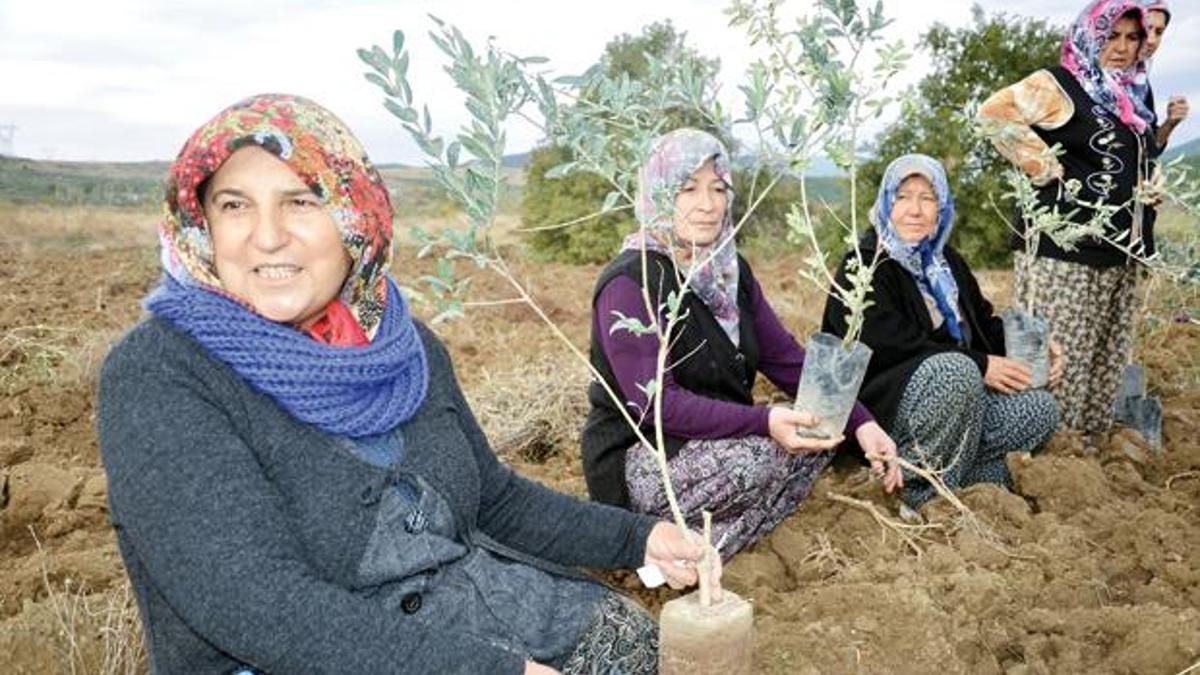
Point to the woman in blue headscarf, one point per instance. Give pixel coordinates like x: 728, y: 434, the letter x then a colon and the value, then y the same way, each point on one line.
x: 938, y: 381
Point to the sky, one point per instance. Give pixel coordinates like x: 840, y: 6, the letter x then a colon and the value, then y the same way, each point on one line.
x: 128, y: 80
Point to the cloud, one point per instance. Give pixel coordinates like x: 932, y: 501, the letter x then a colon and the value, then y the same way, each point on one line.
x: 120, y: 66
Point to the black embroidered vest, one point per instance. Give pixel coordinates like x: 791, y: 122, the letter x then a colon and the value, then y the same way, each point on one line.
x: 1108, y: 159
x: 703, y: 360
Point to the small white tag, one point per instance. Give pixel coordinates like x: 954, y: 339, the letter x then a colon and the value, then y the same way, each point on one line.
x: 651, y: 576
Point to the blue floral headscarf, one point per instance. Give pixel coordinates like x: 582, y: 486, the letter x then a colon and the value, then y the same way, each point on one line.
x: 673, y: 158
x: 925, y: 260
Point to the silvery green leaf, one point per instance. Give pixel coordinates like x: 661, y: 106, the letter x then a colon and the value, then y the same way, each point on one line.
x: 610, y: 200
x: 561, y: 170
x: 674, y: 300
x: 649, y: 389
x: 629, y: 323
x: 378, y: 81
x: 368, y: 57
x: 477, y: 148
x: 443, y: 45
x: 380, y: 57
x: 397, y: 41
x: 405, y: 114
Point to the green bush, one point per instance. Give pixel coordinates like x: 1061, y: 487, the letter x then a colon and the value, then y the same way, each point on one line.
x: 552, y: 202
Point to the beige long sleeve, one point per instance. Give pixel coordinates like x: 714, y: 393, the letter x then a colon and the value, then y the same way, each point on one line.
x: 1007, y: 119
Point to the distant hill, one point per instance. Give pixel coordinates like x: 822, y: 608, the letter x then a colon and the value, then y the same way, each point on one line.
x: 28, y: 181
x: 90, y: 183
x: 1190, y: 149
x: 515, y: 161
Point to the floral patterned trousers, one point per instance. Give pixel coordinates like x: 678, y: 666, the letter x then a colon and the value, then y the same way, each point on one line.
x: 1091, y: 315
x: 750, y: 485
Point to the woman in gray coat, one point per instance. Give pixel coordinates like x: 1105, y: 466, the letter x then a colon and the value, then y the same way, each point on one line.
x: 296, y: 481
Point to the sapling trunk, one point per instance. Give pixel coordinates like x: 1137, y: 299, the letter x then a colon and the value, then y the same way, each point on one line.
x: 705, y: 566
x: 702, y: 634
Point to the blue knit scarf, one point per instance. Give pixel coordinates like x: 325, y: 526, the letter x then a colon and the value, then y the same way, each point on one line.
x: 348, y: 391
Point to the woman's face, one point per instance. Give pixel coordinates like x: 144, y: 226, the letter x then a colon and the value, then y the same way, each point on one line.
x: 700, y: 207
x: 1156, y: 23
x: 274, y: 243
x: 915, y: 211
x: 1124, y: 43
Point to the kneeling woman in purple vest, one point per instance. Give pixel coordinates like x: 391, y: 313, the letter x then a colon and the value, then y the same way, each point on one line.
x: 746, y: 463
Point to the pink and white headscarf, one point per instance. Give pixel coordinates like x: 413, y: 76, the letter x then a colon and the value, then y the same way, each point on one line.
x: 1120, y: 91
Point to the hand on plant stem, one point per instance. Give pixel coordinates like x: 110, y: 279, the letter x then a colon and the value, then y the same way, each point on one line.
x: 784, y: 425
x: 675, y: 554
x: 1058, y: 362
x: 1154, y: 189
x: 535, y: 668
x: 880, y: 451
x: 1007, y: 376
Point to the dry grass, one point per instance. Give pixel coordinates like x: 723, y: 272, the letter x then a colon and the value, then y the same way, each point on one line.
x: 94, y: 633
x: 56, y: 355
x: 30, y: 228
x: 32, y: 354
x: 534, y: 411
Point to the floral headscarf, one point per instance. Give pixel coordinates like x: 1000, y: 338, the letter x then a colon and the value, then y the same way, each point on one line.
x: 365, y: 373
x: 1121, y: 92
x: 325, y: 155
x: 925, y: 260
x: 673, y: 158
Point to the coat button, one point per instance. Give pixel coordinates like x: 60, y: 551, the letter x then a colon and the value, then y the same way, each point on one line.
x: 411, y: 603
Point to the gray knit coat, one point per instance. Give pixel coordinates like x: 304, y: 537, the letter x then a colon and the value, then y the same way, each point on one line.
x: 253, y: 539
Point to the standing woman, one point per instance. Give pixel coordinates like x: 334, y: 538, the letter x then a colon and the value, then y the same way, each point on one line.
x: 938, y: 379
x: 746, y: 463
x: 1158, y: 17
x: 296, y: 481
x: 1093, y: 106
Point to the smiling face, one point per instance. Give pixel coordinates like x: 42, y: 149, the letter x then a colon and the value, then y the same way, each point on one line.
x: 700, y: 207
x: 274, y: 244
x: 915, y: 210
x: 1124, y: 43
x: 1156, y: 22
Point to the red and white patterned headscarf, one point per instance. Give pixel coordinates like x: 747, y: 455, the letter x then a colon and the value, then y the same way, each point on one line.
x: 326, y: 156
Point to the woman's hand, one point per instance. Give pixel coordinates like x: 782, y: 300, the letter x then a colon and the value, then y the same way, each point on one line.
x: 1007, y: 376
x: 1058, y: 362
x: 880, y: 450
x: 676, y: 555
x: 535, y: 668
x: 1177, y: 110
x: 784, y: 425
